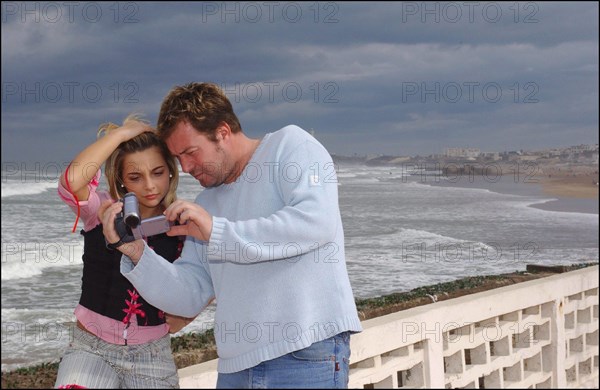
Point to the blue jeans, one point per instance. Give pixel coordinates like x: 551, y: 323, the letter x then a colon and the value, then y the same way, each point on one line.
x: 93, y: 363
x: 324, y: 364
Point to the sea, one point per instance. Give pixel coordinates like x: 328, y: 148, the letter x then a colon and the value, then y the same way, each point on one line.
x: 404, y: 228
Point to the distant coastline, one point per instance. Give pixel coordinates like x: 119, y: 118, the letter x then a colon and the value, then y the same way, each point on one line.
x: 572, y: 186
x: 584, y: 199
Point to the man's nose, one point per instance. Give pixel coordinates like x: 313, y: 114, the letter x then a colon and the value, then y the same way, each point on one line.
x: 185, y: 165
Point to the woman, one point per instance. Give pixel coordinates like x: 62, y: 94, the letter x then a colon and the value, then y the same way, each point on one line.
x: 120, y: 340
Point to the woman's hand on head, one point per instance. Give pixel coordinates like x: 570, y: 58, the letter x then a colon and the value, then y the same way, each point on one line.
x: 133, y: 128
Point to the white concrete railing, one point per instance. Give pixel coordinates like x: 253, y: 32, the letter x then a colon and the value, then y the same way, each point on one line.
x: 537, y: 334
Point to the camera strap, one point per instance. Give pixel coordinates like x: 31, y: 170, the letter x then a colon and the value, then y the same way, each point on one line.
x: 74, y: 196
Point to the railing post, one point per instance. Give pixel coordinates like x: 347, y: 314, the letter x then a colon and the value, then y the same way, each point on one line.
x: 434, y: 358
x: 559, y: 349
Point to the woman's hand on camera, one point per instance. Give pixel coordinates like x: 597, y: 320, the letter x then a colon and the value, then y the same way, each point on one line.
x: 107, y: 213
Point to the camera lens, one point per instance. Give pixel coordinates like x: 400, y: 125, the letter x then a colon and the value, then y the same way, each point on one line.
x: 131, y: 212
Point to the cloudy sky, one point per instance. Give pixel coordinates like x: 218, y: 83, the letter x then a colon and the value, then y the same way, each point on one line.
x: 405, y: 78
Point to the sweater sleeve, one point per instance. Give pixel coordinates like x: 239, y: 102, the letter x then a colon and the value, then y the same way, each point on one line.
x: 183, y: 287
x: 308, y: 221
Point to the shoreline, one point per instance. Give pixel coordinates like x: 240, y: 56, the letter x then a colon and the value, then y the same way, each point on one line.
x: 575, y: 193
x: 566, y: 193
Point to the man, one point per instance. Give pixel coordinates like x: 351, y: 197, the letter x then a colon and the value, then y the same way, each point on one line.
x: 265, y: 239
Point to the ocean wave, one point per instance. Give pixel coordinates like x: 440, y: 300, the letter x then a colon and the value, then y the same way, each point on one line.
x: 411, y: 240
x: 20, y: 188
x: 26, y: 260
x: 39, y: 316
x: 430, y: 238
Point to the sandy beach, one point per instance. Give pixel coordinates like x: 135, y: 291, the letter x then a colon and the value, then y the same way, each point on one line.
x: 575, y: 187
x: 579, y: 182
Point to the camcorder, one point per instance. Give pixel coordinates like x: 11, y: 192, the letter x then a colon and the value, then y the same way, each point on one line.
x: 131, y: 227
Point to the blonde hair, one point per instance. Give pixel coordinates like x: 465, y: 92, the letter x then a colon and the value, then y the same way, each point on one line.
x: 114, y: 164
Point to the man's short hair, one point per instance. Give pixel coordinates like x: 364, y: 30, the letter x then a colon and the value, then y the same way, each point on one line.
x: 202, y: 105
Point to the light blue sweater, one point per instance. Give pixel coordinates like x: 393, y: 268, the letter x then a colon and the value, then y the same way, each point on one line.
x: 275, y: 260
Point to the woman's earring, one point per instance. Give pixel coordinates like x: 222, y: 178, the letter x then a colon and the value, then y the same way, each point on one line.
x: 170, y: 175
x: 122, y: 186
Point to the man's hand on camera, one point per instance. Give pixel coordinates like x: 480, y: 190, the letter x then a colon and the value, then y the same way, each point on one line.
x: 194, y: 220
x: 107, y: 213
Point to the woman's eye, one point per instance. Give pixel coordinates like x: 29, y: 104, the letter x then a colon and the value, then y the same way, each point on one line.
x: 159, y: 173
x: 135, y: 178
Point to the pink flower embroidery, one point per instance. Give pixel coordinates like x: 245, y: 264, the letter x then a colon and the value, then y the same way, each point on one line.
x: 133, y: 308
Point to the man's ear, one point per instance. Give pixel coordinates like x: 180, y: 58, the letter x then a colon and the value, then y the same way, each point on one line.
x: 223, y: 131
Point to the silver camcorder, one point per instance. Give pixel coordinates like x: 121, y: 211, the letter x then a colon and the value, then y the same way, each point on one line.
x: 131, y: 227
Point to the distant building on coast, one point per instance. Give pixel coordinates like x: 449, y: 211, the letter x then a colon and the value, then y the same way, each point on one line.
x: 579, y: 154
x: 463, y: 152
x: 493, y: 156
x: 577, y: 149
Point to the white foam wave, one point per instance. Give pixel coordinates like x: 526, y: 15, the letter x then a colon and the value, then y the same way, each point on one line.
x: 414, y: 235
x: 359, y: 179
x: 26, y: 260
x: 20, y: 188
x: 411, y: 239
x: 34, y: 336
x: 40, y: 316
